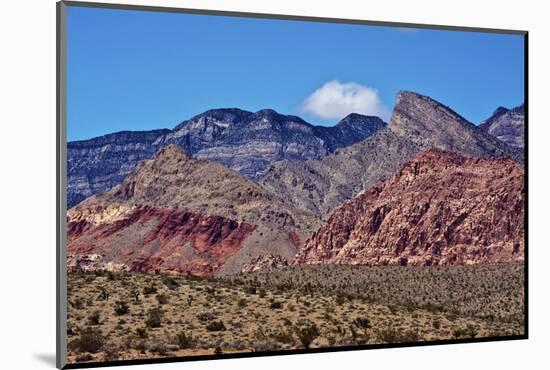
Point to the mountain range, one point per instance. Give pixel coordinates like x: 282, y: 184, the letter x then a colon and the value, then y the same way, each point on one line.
x: 209, y: 198
x: 418, y: 123
x: 243, y: 141
x: 508, y: 125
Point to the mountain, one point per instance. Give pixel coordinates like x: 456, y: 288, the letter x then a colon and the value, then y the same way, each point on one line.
x: 170, y: 191
x: 98, y: 164
x: 508, y: 125
x: 244, y: 141
x: 440, y: 208
x: 418, y: 123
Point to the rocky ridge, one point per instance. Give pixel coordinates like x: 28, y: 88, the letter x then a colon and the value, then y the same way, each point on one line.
x: 507, y: 125
x: 418, y: 123
x: 243, y: 141
x: 440, y: 208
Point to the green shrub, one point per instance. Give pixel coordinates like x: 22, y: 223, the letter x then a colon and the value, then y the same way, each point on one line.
x: 307, y: 334
x: 184, y: 340
x: 94, y: 318
x: 121, y: 308
x: 90, y: 340
x: 149, y: 289
x: 162, y: 298
x: 215, y: 326
x: 154, y: 318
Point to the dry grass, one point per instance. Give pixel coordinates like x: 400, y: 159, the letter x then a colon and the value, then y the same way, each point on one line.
x: 177, y: 316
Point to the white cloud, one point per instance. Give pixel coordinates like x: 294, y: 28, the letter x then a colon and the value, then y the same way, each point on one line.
x: 335, y: 100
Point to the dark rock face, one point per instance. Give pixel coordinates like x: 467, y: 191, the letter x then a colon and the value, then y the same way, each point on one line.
x: 441, y: 208
x: 418, y: 123
x: 98, y: 164
x: 244, y: 141
x: 507, y: 125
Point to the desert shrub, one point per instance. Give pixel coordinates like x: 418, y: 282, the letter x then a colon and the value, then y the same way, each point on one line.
x: 242, y: 302
x: 78, y: 303
x: 276, y: 305
x: 206, y: 316
x: 84, y: 358
x: 250, y: 290
x: 459, y: 333
x: 149, y: 289
x: 162, y: 298
x: 266, y: 346
x: 307, y: 333
x: 184, y: 340
x: 111, y: 351
x: 142, y: 333
x: 262, y: 293
x: 154, y: 318
x: 215, y: 326
x: 121, y: 308
x: 436, y: 324
x: 159, y: 348
x: 392, y: 335
x: 90, y: 340
x: 471, y: 331
x: 170, y: 282
x: 94, y: 318
x: 283, y: 336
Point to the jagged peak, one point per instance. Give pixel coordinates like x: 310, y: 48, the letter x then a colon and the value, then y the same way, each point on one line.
x: 356, y: 117
x: 171, y: 151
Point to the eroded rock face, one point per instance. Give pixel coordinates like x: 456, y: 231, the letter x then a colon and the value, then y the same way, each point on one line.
x: 418, y: 123
x: 163, y: 193
x: 441, y: 208
x: 150, y: 238
x: 507, y: 125
x: 243, y: 141
x: 266, y: 262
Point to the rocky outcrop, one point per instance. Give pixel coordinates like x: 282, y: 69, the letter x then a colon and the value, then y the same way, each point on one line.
x: 243, y: 141
x: 418, y: 123
x: 440, y: 208
x: 267, y: 262
x: 507, y: 125
x: 153, y: 238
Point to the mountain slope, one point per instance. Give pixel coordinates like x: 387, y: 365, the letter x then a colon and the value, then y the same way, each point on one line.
x: 172, y: 183
x: 244, y: 141
x: 441, y: 208
x: 507, y: 125
x: 418, y: 123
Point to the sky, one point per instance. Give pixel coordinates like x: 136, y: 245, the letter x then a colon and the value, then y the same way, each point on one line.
x: 139, y: 70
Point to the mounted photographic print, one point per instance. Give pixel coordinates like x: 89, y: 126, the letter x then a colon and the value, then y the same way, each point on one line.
x: 234, y: 184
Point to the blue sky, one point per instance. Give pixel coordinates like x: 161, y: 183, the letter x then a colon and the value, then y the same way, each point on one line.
x: 138, y: 70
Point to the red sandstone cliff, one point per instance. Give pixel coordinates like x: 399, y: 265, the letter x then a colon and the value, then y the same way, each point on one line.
x: 441, y: 208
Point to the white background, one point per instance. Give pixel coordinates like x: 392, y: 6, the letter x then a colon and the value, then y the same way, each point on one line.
x: 27, y: 181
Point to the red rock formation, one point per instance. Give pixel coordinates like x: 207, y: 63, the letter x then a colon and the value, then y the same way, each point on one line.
x: 149, y: 238
x: 440, y: 209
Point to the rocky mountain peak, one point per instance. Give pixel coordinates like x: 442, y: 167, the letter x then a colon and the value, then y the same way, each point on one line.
x: 507, y: 125
x: 430, y: 124
x: 171, y: 151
